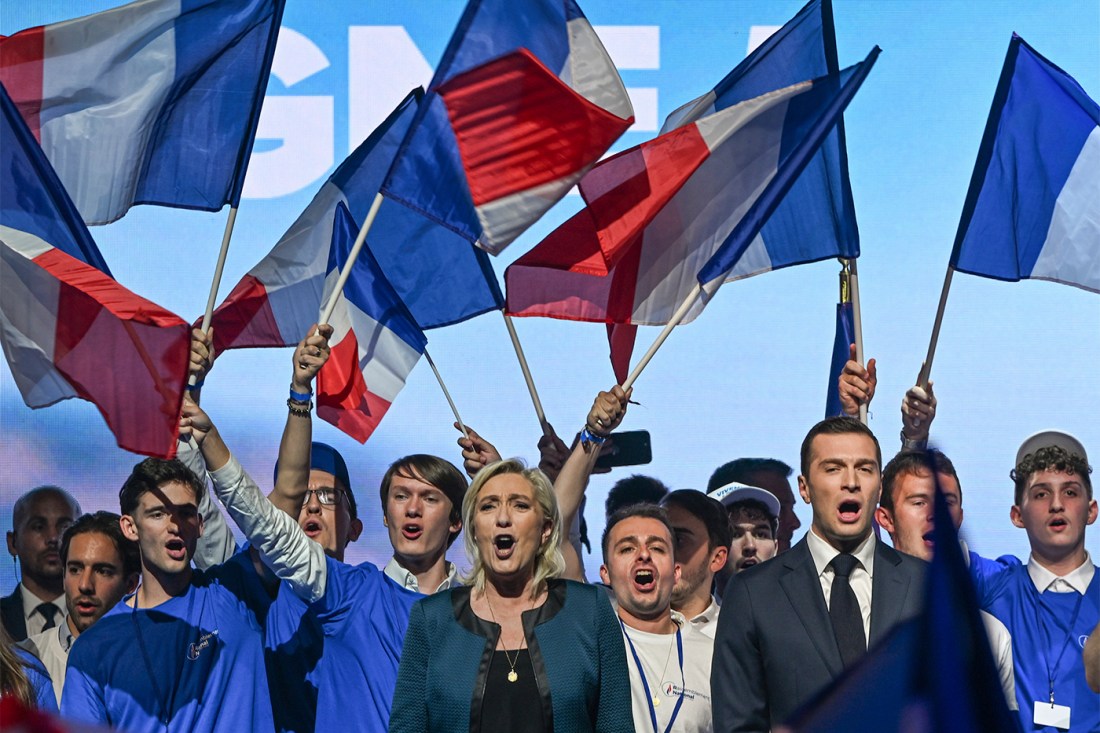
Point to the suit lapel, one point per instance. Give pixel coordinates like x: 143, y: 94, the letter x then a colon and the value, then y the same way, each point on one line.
x: 12, y: 607
x: 803, y: 589
x: 889, y: 589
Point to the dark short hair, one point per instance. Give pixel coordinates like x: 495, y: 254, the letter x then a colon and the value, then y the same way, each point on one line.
x: 835, y: 426
x: 636, y: 489
x: 433, y: 470
x: 150, y: 475
x: 649, y: 511
x: 24, y: 501
x: 707, y: 510
x: 1050, y: 458
x: 914, y: 463
x: 740, y: 469
x: 752, y: 510
x: 104, y: 523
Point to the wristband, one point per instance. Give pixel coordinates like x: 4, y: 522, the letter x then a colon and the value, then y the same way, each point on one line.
x: 300, y: 396
x: 298, y: 408
x: 588, y: 437
x: 196, y: 386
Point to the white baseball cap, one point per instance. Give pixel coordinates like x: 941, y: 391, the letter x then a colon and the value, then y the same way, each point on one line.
x: 734, y: 492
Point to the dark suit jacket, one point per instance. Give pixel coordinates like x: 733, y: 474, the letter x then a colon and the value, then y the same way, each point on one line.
x: 775, y: 647
x: 11, y: 610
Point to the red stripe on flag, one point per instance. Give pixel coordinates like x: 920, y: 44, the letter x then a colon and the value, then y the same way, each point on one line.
x: 343, y: 399
x: 21, y: 64
x: 625, y: 192
x: 518, y: 126
x: 245, y: 319
x: 126, y: 355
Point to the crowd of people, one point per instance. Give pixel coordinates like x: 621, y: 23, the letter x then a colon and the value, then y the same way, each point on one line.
x: 708, y: 614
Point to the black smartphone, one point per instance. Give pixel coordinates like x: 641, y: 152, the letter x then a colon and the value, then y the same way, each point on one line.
x: 628, y: 448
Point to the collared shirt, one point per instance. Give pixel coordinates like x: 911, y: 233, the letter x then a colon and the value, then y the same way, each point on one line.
x: 1074, y: 581
x: 706, y: 623
x: 52, y: 648
x: 862, y: 575
x: 408, y: 581
x: 36, y: 621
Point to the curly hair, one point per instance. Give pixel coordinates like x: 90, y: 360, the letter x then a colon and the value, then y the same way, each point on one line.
x: 1050, y: 458
x: 549, y: 562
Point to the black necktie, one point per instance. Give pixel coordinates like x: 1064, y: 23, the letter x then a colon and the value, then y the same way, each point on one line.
x: 48, y: 611
x: 844, y: 611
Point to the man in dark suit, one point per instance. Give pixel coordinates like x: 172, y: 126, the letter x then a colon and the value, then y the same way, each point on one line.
x: 790, y: 626
x: 39, y: 518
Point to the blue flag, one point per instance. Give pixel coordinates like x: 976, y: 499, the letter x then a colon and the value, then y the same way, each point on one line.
x: 1033, y: 208
x: 845, y: 336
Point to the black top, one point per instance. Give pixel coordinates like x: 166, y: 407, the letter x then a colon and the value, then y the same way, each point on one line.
x: 511, y: 706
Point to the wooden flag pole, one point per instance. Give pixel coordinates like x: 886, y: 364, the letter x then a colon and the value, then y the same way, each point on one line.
x: 857, y: 324
x: 439, y: 378
x: 345, y: 273
x: 673, y: 322
x: 526, y: 374
x: 218, y: 269
x: 926, y: 368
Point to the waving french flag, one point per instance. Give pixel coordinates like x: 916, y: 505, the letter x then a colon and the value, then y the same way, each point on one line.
x: 1033, y: 208
x: 154, y: 102
x: 524, y: 101
x: 68, y: 329
x: 440, y: 277
x: 375, y: 340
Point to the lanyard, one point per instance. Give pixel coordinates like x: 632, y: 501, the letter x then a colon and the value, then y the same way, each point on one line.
x: 1053, y: 670
x: 645, y: 683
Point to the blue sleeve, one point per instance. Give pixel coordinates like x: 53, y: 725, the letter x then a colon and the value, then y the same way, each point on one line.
x: 989, y: 577
x: 410, y: 708
x: 614, y: 711
x: 82, y: 699
x: 40, y: 681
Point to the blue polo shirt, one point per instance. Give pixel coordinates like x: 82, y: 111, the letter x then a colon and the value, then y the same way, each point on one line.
x: 192, y: 663
x: 1048, y: 630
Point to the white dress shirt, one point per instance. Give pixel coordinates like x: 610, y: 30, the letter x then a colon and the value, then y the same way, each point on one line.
x: 860, y: 580
x: 408, y: 581
x: 52, y: 649
x: 1074, y: 581
x: 36, y: 621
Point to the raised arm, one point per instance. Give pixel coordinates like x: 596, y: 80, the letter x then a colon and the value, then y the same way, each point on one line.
x: 282, y: 544
x: 294, y: 459
x: 607, y: 413
x: 477, y: 453
x: 856, y: 383
x: 918, y: 410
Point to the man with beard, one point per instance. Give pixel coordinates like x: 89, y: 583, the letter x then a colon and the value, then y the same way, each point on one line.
x: 39, y: 518
x: 100, y: 567
x: 701, y: 530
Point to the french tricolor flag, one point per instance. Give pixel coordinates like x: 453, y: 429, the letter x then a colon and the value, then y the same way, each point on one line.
x: 154, y: 102
x: 68, y: 329
x: 523, y: 103
x: 375, y: 341
x: 1033, y: 208
x: 684, y: 208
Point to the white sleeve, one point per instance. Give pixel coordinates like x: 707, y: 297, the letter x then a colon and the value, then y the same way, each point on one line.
x: 216, y: 544
x: 282, y: 544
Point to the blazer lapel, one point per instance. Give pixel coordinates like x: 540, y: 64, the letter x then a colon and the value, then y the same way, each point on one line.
x: 889, y: 589
x: 803, y: 590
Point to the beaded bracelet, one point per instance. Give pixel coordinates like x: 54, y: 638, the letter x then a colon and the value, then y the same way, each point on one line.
x: 298, y: 408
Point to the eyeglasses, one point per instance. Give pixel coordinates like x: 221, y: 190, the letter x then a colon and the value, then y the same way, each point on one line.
x: 325, y: 496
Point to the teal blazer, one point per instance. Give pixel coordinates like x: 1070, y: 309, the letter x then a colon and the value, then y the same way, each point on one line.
x: 576, y: 649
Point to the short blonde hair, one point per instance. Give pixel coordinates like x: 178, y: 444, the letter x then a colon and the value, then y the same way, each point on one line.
x: 549, y: 562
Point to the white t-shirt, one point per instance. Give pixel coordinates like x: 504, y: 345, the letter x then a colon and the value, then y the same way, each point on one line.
x: 660, y: 662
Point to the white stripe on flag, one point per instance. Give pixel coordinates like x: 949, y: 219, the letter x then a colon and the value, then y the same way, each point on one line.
x: 124, y: 71
x: 590, y: 71
x: 1071, y: 252
x: 384, y: 358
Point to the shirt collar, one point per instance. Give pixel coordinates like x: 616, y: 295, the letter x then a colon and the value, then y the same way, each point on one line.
x: 823, y: 553
x: 31, y: 602
x: 65, y: 637
x: 1077, y: 580
x: 408, y: 581
x: 708, y: 616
